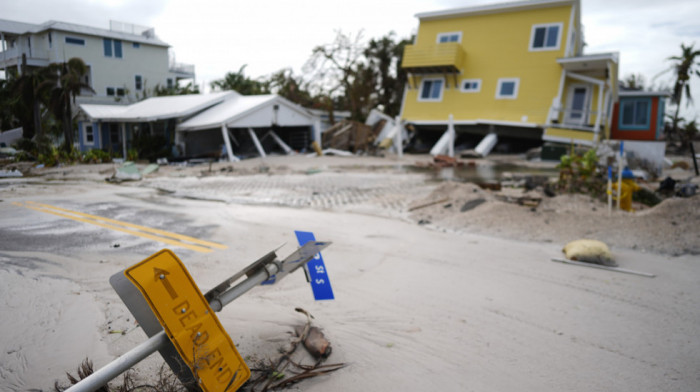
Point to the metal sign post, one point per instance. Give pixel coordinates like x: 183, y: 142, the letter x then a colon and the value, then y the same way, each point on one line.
x: 160, y: 281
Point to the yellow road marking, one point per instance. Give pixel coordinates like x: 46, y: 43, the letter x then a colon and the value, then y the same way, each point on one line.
x: 138, y: 227
x: 175, y: 239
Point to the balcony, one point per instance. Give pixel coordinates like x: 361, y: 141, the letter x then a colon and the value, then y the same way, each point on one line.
x: 182, y: 70
x: 13, y: 57
x: 435, y: 58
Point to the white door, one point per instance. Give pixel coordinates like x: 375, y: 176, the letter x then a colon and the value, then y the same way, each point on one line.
x: 577, y: 104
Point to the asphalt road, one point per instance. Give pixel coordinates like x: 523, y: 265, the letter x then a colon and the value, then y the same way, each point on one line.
x: 415, y: 308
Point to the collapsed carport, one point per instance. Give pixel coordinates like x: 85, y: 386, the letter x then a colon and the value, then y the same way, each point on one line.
x: 248, y: 125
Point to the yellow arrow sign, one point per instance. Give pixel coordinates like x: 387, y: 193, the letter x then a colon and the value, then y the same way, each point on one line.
x: 189, y: 322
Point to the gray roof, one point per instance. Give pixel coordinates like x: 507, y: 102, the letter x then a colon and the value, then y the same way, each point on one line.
x: 156, y: 108
x: 15, y: 27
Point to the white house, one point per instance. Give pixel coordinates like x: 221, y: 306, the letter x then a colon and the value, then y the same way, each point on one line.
x: 201, y: 125
x: 124, y: 61
x: 266, y: 122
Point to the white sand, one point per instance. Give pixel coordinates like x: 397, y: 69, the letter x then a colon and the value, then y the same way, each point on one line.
x: 436, y: 307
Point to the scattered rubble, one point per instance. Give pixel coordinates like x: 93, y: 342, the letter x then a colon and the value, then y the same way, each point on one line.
x: 10, y: 173
x: 349, y: 136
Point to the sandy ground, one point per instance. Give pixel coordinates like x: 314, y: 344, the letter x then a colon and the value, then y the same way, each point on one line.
x: 464, y: 301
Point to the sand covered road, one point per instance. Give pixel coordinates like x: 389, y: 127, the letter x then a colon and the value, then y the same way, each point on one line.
x: 417, y: 306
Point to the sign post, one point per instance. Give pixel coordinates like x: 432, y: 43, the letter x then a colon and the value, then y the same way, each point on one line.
x: 181, y: 323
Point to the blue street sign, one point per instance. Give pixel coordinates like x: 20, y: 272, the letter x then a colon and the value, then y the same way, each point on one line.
x: 318, y: 275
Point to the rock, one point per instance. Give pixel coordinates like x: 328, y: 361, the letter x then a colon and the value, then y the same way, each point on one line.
x: 315, y: 342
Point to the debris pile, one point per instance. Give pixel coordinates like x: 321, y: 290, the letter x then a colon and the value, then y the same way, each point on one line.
x: 130, y: 172
x: 349, y: 136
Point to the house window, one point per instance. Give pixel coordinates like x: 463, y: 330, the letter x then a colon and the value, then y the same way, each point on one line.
x: 50, y: 40
x: 89, y: 135
x: 120, y: 92
x: 75, y: 41
x: 431, y: 90
x: 138, y: 82
x: 635, y: 113
x: 112, y: 47
x: 471, y: 85
x: 117, y: 48
x: 170, y: 83
x: 449, y: 37
x: 135, y: 45
x: 110, y: 91
x: 545, y: 36
x: 107, y: 44
x: 507, y: 88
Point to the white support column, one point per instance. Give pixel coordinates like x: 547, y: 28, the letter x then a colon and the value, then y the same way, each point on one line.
x: 596, y: 137
x: 317, y: 131
x: 451, y: 143
x: 398, y: 141
x: 257, y: 142
x: 608, y: 113
x: 557, y: 104
x: 124, y: 140
x: 227, y: 141
x: 288, y: 150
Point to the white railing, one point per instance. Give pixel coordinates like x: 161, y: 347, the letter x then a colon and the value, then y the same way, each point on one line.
x: 131, y: 28
x: 561, y: 117
x: 182, y: 68
x: 14, y: 55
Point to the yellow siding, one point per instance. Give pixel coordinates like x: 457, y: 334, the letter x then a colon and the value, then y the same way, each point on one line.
x: 495, y: 46
x: 569, y: 134
x: 433, y: 55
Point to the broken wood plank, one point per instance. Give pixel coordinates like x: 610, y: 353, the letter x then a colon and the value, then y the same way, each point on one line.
x: 418, y: 207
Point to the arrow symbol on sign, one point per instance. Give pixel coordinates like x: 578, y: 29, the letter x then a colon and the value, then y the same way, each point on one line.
x: 161, y: 275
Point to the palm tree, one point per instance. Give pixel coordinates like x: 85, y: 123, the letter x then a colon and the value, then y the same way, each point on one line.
x: 685, y: 67
x: 240, y: 83
x: 23, y: 100
x: 61, y: 88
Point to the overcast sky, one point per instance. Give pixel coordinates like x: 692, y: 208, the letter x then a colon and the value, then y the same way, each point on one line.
x: 268, y: 35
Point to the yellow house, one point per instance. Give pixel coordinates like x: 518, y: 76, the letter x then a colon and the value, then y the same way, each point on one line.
x: 514, y: 69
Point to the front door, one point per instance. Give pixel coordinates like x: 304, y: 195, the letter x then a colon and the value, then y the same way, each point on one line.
x: 577, y: 105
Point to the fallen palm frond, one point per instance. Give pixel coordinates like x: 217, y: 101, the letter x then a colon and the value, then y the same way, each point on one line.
x: 86, y: 368
x: 267, y: 374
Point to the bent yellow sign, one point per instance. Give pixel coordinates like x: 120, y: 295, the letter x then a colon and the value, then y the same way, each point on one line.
x: 189, y: 322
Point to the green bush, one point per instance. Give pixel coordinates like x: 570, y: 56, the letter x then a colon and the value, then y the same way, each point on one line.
x: 96, y: 156
x: 578, y: 173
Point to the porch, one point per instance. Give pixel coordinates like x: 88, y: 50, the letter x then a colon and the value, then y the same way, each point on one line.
x: 582, y: 110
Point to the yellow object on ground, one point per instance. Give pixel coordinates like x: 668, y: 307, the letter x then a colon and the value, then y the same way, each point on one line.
x: 316, y: 148
x: 590, y: 251
x: 627, y: 189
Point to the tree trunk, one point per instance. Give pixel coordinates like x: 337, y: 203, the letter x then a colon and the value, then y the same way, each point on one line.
x: 675, y: 118
x: 68, y: 125
x: 37, y: 118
